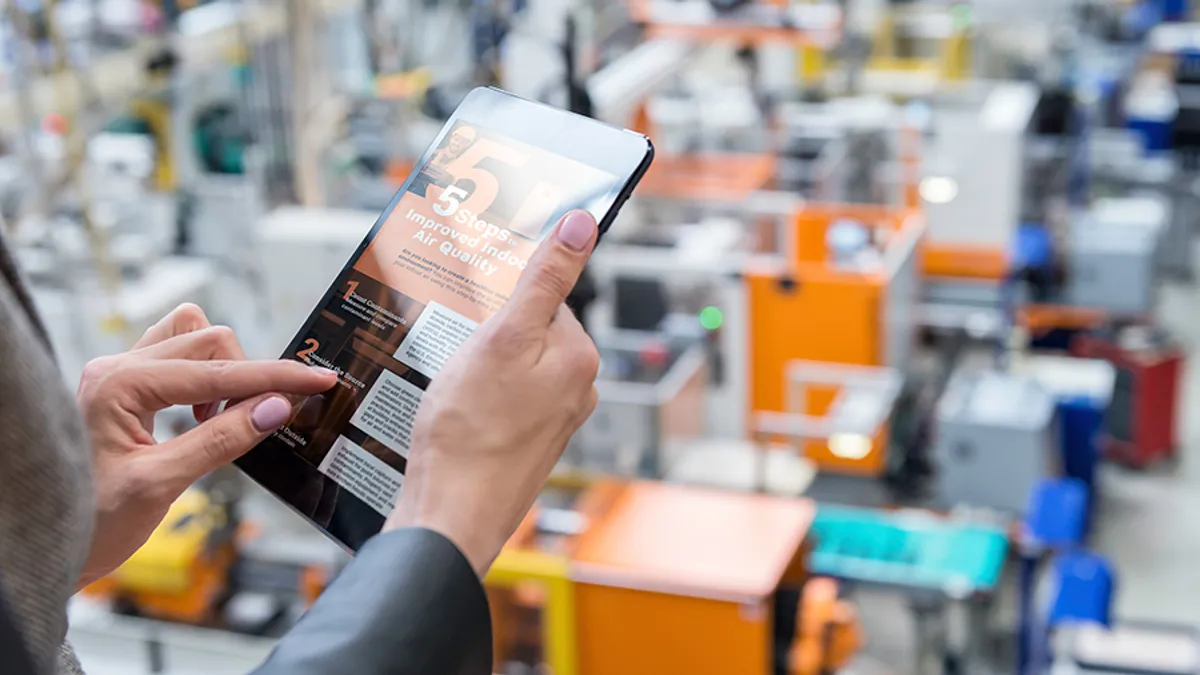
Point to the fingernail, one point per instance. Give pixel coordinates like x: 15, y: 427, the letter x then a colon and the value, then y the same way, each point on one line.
x: 271, y: 414
x: 325, y: 371
x: 576, y: 230
x: 212, y: 410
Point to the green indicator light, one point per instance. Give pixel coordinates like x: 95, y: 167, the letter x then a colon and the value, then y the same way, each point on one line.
x: 711, y: 318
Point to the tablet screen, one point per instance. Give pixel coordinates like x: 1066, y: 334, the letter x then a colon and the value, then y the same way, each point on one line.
x: 444, y: 259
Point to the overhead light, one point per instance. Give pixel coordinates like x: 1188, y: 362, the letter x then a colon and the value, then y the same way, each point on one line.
x: 850, y: 446
x: 939, y: 189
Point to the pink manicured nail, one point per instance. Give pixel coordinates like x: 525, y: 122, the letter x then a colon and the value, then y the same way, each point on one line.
x: 576, y: 230
x: 211, y: 411
x: 271, y: 414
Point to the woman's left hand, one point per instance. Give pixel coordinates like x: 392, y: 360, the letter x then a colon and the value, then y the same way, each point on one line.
x: 182, y: 360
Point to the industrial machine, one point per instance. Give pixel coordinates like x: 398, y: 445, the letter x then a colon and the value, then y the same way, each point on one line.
x: 673, y: 267
x: 652, y: 398
x: 202, y: 567
x: 213, y: 122
x: 844, y: 151
x: 150, y: 115
x: 1113, y: 256
x: 846, y: 293
x: 1118, y: 168
x: 985, y: 120
x: 996, y: 439
x: 917, y: 48
x: 182, y: 573
x: 838, y: 416
x: 300, y: 250
x: 683, y: 579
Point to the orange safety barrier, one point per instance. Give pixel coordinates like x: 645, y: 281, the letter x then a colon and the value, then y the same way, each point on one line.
x: 398, y: 171
x: 715, y: 176
x: 964, y: 262
x: 729, y: 30
x: 1041, y: 319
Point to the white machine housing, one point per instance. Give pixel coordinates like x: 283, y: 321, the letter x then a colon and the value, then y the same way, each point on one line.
x: 979, y: 145
x: 302, y: 250
x: 1112, y: 255
x: 995, y: 440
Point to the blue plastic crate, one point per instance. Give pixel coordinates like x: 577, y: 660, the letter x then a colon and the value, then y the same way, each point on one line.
x: 1085, y: 585
x: 909, y: 550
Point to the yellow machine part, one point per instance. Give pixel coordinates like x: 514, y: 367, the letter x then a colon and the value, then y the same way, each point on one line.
x: 811, y: 64
x: 953, y: 61
x: 404, y: 85
x: 166, y: 562
x: 956, y: 56
x: 156, y: 111
x: 518, y: 569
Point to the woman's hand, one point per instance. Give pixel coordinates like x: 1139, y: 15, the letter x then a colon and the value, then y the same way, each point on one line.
x: 499, y: 415
x: 182, y: 360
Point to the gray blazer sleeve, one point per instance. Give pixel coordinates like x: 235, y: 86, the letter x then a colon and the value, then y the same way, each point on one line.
x: 409, y: 604
x: 46, y: 499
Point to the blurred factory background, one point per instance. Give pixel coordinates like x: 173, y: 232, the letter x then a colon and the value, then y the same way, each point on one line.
x: 895, y: 335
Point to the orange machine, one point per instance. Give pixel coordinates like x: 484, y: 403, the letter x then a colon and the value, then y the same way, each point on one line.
x: 659, y: 579
x: 723, y: 176
x: 813, y: 308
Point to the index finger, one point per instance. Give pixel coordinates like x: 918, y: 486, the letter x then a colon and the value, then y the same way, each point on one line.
x: 155, y: 385
x: 554, y: 270
x: 186, y: 318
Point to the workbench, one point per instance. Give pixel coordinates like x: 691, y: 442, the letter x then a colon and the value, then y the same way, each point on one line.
x: 659, y: 579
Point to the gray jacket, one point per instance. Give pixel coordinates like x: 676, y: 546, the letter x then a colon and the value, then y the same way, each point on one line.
x: 410, y: 604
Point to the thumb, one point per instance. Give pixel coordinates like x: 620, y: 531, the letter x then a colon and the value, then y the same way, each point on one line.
x: 223, y: 438
x: 555, y: 268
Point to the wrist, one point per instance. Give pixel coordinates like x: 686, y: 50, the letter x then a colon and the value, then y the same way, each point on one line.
x: 469, y: 538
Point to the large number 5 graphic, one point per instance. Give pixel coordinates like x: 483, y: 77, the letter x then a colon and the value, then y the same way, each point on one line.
x: 487, y: 185
x: 449, y: 202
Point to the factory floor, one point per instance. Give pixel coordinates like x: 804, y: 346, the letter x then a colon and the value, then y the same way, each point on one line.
x: 1148, y: 524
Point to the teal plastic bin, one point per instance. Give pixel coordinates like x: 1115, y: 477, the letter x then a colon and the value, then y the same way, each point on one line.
x: 907, y: 550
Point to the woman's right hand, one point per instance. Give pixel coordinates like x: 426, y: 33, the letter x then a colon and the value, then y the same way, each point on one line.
x: 181, y: 360
x: 499, y: 415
